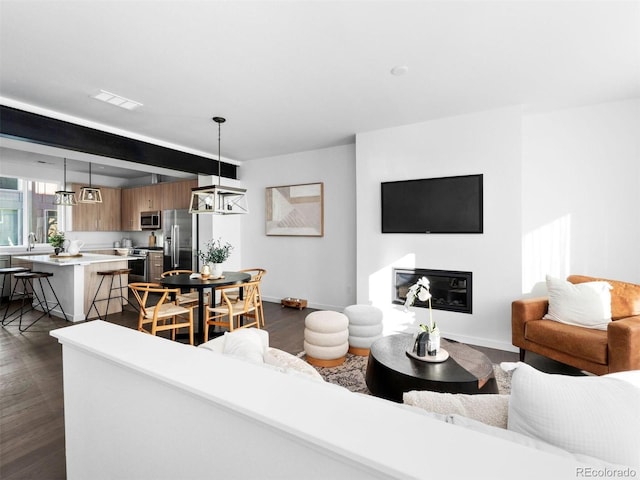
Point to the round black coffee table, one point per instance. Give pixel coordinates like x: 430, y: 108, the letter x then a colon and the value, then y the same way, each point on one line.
x: 391, y: 372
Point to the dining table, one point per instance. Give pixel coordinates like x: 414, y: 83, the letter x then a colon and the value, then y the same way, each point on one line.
x: 195, y: 281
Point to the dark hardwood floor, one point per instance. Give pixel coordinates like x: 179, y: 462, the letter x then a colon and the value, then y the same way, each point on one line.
x: 32, y: 442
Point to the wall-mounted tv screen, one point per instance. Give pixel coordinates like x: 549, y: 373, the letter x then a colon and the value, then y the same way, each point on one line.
x: 433, y: 205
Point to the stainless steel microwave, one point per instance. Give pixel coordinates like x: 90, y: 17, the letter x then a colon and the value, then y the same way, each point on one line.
x: 150, y: 220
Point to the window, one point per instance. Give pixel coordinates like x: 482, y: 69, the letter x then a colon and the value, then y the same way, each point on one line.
x: 26, y: 206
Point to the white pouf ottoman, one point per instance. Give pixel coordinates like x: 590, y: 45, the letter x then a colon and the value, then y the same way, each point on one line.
x: 365, y: 327
x: 326, y: 338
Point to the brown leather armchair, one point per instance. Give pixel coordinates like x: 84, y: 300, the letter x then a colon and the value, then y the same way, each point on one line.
x: 596, y: 351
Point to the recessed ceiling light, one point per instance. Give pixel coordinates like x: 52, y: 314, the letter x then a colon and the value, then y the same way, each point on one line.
x: 117, y: 100
x: 399, y: 70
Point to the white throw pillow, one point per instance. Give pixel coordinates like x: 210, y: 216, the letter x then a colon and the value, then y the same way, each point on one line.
x: 245, y: 344
x: 491, y: 409
x: 290, y: 363
x: 590, y: 415
x: 584, y: 304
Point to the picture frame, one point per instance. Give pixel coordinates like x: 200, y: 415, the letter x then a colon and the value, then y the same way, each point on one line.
x: 295, y: 210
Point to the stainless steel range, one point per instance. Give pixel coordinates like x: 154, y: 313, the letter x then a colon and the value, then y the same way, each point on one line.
x: 138, y: 265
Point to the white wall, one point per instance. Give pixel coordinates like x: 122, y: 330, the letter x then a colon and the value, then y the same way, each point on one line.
x: 319, y: 269
x: 561, y: 196
x: 487, y: 143
x: 581, y: 193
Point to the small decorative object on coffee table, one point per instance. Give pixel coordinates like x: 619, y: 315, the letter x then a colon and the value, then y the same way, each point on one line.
x: 426, y: 345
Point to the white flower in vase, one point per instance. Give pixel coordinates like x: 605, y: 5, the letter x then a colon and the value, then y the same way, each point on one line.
x: 421, y: 291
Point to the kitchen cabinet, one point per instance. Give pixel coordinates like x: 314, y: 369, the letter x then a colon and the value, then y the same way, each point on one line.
x: 131, y: 208
x: 152, y: 197
x: 98, y: 217
x: 155, y: 261
x: 177, y: 195
x: 110, y: 210
x: 159, y: 196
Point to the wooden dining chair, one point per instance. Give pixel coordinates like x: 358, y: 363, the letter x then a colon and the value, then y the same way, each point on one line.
x: 256, y: 276
x: 165, y: 314
x: 229, y: 312
x: 189, y: 298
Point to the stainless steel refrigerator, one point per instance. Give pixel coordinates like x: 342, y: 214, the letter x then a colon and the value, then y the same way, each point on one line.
x: 180, y: 244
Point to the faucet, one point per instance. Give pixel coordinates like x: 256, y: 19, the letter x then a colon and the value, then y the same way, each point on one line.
x: 32, y: 240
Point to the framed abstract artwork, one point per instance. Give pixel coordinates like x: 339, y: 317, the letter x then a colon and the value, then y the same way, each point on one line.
x: 295, y: 210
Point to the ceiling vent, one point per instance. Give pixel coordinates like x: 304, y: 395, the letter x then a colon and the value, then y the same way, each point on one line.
x: 117, y: 100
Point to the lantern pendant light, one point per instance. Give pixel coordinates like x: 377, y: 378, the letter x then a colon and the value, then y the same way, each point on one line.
x: 217, y: 198
x: 90, y: 194
x: 65, y: 197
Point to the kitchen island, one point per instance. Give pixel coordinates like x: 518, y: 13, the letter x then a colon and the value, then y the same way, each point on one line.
x: 75, y: 281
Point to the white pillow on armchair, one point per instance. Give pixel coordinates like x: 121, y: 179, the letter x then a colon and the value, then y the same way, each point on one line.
x: 585, y: 304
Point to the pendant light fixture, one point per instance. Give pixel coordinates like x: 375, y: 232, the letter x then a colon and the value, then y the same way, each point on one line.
x: 216, y: 198
x: 65, y: 197
x: 90, y: 194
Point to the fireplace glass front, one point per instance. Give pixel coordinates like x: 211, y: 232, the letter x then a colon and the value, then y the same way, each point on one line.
x: 450, y: 290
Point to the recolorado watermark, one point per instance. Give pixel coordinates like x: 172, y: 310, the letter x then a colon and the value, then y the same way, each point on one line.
x: 606, y: 472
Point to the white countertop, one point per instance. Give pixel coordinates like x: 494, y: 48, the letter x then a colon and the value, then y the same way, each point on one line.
x: 85, y: 259
x: 23, y: 252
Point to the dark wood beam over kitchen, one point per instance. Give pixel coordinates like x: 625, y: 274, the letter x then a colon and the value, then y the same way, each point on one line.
x: 31, y: 127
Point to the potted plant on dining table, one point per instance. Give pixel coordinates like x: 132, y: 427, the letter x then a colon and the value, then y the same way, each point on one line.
x: 212, y: 256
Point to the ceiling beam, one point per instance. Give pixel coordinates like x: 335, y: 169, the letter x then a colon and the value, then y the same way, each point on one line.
x: 34, y: 128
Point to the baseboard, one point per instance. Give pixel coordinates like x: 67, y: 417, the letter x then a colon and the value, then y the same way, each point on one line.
x: 481, y: 342
x: 316, y: 306
x: 469, y: 340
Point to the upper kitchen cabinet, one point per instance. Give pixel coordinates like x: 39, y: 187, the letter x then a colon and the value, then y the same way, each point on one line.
x: 177, y: 195
x: 131, y: 208
x: 98, y: 217
x: 158, y: 196
x: 151, y: 197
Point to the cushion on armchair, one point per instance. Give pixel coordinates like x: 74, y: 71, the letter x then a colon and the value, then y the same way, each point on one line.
x: 585, y: 304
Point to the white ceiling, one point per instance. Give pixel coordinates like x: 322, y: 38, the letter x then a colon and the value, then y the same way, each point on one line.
x: 292, y: 76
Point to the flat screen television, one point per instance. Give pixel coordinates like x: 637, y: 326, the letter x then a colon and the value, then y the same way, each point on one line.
x: 433, y: 205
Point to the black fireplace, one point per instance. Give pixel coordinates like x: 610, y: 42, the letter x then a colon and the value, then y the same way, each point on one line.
x: 450, y: 290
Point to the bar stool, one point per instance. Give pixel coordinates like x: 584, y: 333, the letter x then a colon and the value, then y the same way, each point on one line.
x: 112, y: 274
x: 27, y: 279
x: 11, y: 271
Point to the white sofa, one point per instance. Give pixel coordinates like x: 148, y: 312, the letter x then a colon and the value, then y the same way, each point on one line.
x: 541, y: 412
x: 139, y: 406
